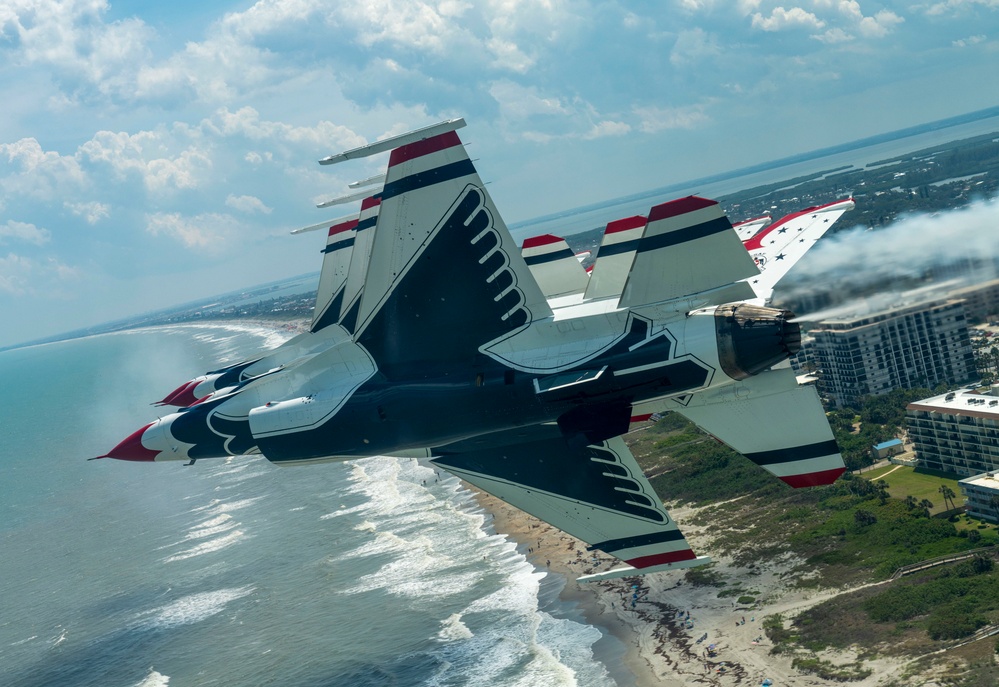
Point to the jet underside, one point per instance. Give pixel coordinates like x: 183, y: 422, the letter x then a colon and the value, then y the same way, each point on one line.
x: 433, y: 337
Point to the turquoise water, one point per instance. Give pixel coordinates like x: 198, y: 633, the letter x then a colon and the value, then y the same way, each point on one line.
x: 377, y: 572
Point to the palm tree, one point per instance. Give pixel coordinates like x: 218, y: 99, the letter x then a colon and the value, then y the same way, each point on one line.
x: 948, y: 495
x: 911, y: 502
x: 927, y: 506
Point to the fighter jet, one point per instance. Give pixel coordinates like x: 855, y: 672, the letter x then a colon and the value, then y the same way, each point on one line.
x: 449, y: 350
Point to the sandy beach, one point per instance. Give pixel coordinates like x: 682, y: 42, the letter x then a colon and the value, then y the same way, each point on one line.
x: 662, y: 640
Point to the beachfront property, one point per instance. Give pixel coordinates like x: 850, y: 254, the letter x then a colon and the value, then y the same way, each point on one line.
x: 956, y: 432
x: 887, y: 449
x: 920, y: 345
x: 981, y: 494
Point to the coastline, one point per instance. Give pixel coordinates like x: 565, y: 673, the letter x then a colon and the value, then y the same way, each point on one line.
x: 660, y: 649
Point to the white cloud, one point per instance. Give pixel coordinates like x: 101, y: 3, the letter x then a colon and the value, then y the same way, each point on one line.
x: 24, y: 232
x: 92, y: 211
x: 694, y: 45
x: 970, y: 40
x: 36, y: 173
x: 520, y: 102
x: 247, y: 204
x: 607, y: 128
x: 781, y: 19
x: 152, y: 156
x: 656, y: 119
x: 210, y: 232
x: 22, y: 276
x: 955, y: 6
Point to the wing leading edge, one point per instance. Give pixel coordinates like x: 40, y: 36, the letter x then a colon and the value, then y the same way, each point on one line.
x: 596, y: 493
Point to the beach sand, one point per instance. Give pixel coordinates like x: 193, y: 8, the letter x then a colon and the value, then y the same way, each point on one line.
x: 660, y: 648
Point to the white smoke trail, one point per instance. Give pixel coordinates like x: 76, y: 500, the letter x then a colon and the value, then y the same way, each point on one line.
x: 853, y: 262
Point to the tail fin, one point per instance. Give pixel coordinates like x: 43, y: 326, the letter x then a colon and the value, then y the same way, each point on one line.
x: 554, y: 266
x: 359, y: 256
x: 688, y: 247
x: 444, y: 277
x: 339, y: 245
x: 617, y: 252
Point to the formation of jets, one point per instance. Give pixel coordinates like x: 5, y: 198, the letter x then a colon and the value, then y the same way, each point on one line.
x: 515, y: 369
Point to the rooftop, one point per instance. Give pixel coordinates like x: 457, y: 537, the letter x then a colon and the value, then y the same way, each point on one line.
x: 963, y: 402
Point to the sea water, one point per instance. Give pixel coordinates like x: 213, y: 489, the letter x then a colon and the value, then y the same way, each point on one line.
x: 235, y: 572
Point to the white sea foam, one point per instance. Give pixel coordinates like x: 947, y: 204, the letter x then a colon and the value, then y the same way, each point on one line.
x: 453, y: 629
x: 154, y: 679
x: 209, y: 546
x: 192, y: 608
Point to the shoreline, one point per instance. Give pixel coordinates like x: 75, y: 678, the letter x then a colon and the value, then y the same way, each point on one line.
x: 659, y: 648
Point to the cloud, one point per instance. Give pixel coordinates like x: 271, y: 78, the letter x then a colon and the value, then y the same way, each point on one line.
x: 694, y: 45
x: 247, y: 204
x: 970, y: 40
x: 211, y: 232
x: 24, y: 232
x: 92, y: 212
x: 36, y: 173
x: 956, y: 6
x: 855, y: 22
x: 655, y: 119
x: 22, y: 276
x: 607, y: 128
x: 781, y: 19
x: 150, y: 155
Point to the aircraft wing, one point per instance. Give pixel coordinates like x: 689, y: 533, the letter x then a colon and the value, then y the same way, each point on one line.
x: 775, y: 422
x: 554, y: 266
x: 596, y: 493
x: 779, y: 246
x: 747, y: 229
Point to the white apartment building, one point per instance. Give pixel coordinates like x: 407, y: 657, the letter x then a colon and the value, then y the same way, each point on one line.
x: 916, y: 346
x: 956, y: 432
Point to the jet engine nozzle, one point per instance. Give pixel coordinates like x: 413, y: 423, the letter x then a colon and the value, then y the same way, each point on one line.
x: 752, y: 338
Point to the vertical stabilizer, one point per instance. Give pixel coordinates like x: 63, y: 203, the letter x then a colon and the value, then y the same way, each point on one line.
x: 336, y: 261
x: 614, y: 258
x: 444, y: 277
x: 360, y: 254
x: 554, y: 266
x: 688, y: 247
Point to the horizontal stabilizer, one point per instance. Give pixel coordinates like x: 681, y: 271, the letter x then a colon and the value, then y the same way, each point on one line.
x: 775, y: 422
x: 324, y: 225
x: 688, y: 247
x: 393, y: 142
x: 628, y: 571
x: 555, y: 267
x: 596, y: 493
x: 343, y: 200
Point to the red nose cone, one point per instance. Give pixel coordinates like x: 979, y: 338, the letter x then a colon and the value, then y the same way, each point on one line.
x: 168, y: 399
x: 131, y: 447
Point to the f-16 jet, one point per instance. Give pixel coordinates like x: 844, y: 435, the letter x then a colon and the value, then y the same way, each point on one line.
x: 443, y: 346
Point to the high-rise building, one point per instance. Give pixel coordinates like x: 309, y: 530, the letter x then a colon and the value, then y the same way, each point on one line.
x: 956, y: 432
x: 916, y: 346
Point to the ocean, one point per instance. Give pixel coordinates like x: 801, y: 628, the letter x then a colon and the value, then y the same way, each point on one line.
x: 374, y: 572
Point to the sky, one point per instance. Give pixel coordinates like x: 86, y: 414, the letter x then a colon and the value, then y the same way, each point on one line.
x: 156, y: 153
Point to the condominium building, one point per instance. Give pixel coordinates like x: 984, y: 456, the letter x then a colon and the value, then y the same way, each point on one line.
x: 981, y: 496
x: 916, y: 346
x: 956, y: 432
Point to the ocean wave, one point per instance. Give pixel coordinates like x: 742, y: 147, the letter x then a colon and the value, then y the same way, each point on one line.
x: 154, y: 679
x: 193, y: 608
x: 207, y: 547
